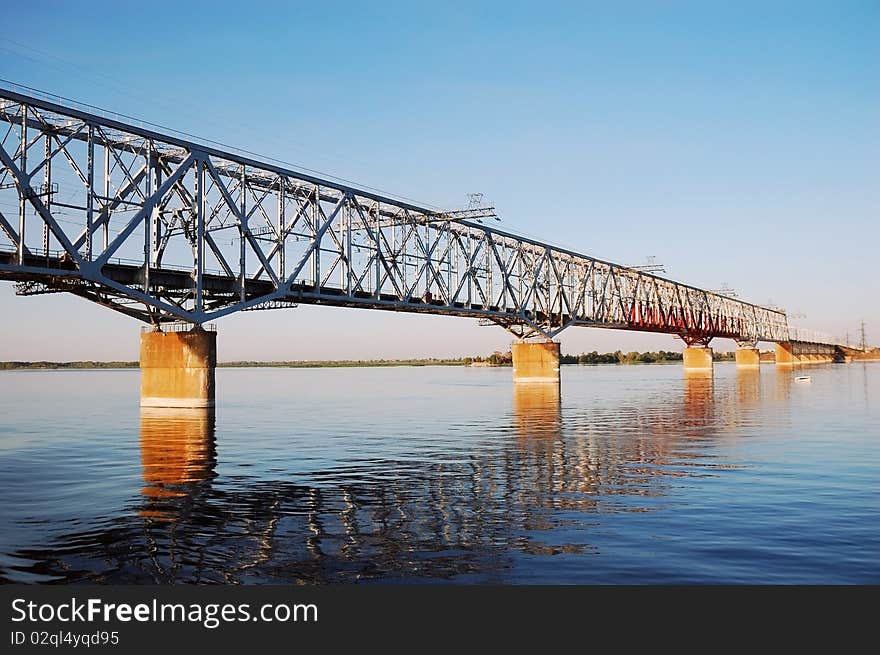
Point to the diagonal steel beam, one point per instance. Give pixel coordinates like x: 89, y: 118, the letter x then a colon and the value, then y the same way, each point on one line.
x: 314, y: 244
x: 242, y: 222
x: 119, y: 197
x: 24, y: 183
x: 149, y: 204
x: 11, y: 232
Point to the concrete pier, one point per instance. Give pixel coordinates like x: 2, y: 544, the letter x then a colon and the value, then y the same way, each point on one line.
x: 697, y: 359
x: 791, y: 353
x: 535, y: 362
x: 177, y: 368
x: 748, y: 358
x: 784, y: 354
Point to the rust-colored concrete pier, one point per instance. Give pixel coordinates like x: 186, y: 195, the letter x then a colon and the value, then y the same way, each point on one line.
x: 535, y: 362
x: 697, y: 359
x: 177, y: 368
x: 748, y: 358
x: 793, y: 353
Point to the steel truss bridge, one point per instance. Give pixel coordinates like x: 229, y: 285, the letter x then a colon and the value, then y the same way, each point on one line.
x: 166, y: 228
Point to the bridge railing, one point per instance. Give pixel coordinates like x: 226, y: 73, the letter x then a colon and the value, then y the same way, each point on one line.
x: 812, y: 336
x: 179, y: 326
x: 53, y: 258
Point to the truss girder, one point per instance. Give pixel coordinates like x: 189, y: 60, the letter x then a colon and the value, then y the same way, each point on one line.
x: 194, y: 233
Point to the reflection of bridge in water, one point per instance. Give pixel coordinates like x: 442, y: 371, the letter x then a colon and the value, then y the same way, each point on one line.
x: 465, y: 519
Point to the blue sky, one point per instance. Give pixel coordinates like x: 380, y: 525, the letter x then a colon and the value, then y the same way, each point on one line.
x: 737, y: 142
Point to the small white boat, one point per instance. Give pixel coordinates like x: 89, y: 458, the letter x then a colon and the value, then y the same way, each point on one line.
x: 803, y: 378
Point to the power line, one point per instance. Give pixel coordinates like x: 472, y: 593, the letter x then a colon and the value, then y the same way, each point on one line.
x: 218, y: 144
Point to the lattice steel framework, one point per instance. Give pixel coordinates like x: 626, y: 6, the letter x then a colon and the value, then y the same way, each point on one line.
x: 163, y: 228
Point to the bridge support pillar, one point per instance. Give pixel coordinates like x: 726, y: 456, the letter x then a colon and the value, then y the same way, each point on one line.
x: 785, y: 355
x: 535, y: 362
x: 748, y: 358
x: 177, y: 368
x: 697, y: 359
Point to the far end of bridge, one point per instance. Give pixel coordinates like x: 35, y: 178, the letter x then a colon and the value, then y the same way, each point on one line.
x: 538, y: 362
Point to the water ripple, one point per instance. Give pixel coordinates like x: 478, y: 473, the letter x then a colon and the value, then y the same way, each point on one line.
x: 635, y: 474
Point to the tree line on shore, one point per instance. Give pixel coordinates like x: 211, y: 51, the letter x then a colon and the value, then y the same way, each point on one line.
x: 617, y: 357
x: 495, y: 359
x: 5, y: 366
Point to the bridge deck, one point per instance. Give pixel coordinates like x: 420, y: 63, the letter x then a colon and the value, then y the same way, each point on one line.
x: 57, y: 274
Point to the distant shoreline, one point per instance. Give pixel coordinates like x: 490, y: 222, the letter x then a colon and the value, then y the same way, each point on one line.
x: 378, y: 363
x: 90, y: 365
x: 110, y: 366
x: 496, y: 359
x: 592, y: 359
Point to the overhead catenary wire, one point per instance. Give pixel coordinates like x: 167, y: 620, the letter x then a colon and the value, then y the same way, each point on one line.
x: 212, y: 142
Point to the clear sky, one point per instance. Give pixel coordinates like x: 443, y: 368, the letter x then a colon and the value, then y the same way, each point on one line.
x: 739, y: 143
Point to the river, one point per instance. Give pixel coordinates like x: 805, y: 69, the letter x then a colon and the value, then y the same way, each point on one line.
x: 636, y: 474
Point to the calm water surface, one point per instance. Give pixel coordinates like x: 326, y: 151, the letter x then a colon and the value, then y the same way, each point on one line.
x: 637, y: 475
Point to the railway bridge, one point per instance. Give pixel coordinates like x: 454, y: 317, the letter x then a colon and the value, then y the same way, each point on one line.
x: 178, y: 232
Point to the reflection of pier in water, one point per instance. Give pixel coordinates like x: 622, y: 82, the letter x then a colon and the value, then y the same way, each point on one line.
x: 177, y: 450
x: 404, y: 519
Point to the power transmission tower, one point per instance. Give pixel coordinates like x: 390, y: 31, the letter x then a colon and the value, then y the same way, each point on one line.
x: 725, y: 290
x: 651, y: 266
